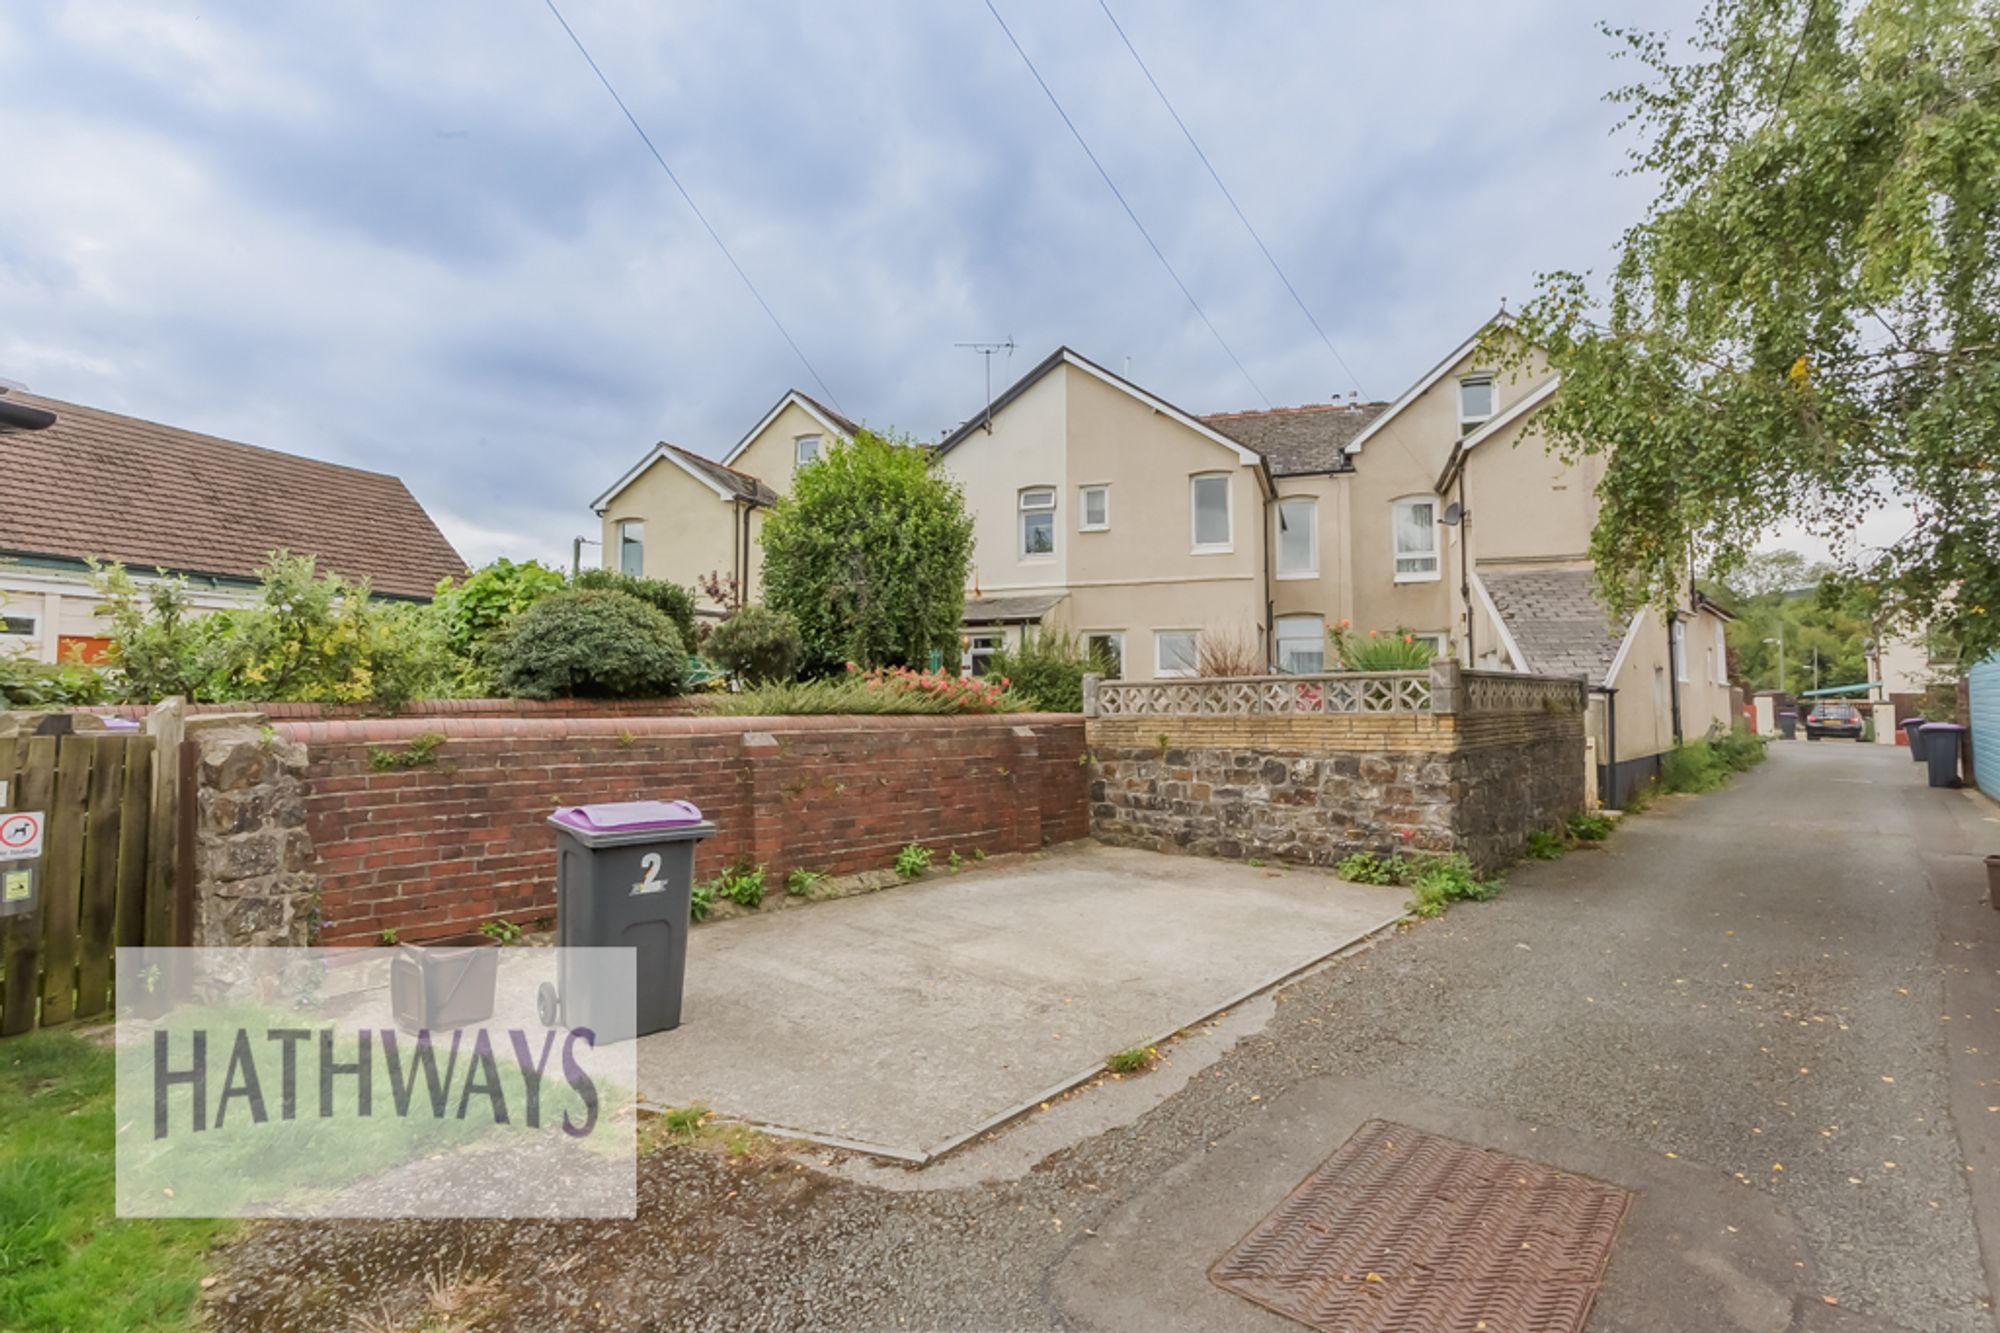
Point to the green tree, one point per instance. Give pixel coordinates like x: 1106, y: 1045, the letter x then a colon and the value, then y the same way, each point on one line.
x: 1807, y: 322
x: 869, y: 554
x: 589, y: 643
x: 757, y: 645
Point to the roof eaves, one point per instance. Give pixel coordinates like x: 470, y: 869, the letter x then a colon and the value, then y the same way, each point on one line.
x: 1520, y: 407
x: 1430, y: 377
x: 833, y: 421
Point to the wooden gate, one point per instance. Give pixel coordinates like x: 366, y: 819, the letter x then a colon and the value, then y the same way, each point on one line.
x: 103, y: 877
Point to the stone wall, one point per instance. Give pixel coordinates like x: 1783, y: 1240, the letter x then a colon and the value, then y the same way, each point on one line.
x: 255, y: 878
x: 1315, y: 788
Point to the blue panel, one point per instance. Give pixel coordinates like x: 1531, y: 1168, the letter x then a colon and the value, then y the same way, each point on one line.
x: 1984, y: 680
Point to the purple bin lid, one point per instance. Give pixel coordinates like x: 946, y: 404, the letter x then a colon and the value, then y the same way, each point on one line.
x: 1943, y: 726
x: 624, y: 816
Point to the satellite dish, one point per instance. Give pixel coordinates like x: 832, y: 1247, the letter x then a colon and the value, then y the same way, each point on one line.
x: 1453, y: 512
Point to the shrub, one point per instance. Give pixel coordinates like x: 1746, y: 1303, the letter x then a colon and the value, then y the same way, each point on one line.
x: 1739, y: 749
x: 913, y: 861
x: 472, y: 611
x: 1046, y: 671
x: 310, y: 637
x: 1693, y: 766
x: 26, y: 682
x: 1368, y: 868
x: 1397, y: 650
x: 595, y: 644
x: 1225, y: 653
x: 669, y: 599
x: 869, y: 553
x: 758, y: 645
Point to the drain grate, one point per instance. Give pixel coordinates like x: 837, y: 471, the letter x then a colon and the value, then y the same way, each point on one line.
x: 1406, y: 1232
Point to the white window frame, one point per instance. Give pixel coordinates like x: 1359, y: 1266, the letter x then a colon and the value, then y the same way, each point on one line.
x: 1311, y: 571
x: 626, y: 540
x: 1021, y: 526
x: 1466, y: 424
x: 1160, y: 670
x: 1397, y: 556
x: 1116, y: 638
x: 1280, y: 639
x: 800, y: 458
x: 980, y: 644
x: 1439, y: 641
x: 1677, y: 645
x: 1083, y: 493
x: 1195, y: 544
x: 1721, y: 653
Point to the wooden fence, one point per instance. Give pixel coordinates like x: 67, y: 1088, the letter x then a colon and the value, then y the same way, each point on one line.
x: 104, y: 876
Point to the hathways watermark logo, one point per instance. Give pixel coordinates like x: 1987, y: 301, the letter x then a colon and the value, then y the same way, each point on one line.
x: 373, y: 1083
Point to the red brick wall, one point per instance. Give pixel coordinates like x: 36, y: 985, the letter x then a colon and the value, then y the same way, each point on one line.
x: 438, y: 848
x: 681, y: 706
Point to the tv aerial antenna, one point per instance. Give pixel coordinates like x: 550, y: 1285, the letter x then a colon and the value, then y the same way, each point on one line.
x: 987, y: 351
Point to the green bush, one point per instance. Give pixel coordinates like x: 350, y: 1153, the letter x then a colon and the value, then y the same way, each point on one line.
x: 589, y: 644
x: 870, y: 553
x: 472, y: 611
x: 914, y: 861
x: 757, y: 645
x: 26, y: 682
x: 669, y: 599
x: 1394, y: 650
x: 309, y: 637
x: 1046, y: 671
x: 742, y: 884
x: 854, y: 693
x: 1739, y: 749
x: 1694, y: 766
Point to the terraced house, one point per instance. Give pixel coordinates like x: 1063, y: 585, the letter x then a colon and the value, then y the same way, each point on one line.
x: 1181, y: 544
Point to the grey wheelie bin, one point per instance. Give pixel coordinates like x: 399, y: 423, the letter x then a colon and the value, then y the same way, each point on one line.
x: 624, y: 872
x: 1941, y: 741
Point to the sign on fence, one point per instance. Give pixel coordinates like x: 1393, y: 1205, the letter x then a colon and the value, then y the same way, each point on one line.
x: 78, y: 872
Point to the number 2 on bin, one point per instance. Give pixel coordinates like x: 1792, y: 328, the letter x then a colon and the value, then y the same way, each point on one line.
x: 652, y: 883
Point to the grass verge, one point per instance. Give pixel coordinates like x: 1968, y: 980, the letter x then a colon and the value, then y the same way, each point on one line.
x: 66, y: 1262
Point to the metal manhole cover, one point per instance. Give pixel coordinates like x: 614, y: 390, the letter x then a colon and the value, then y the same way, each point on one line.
x: 1406, y: 1232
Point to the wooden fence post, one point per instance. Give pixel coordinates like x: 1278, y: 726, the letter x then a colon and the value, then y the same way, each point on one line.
x: 168, y: 725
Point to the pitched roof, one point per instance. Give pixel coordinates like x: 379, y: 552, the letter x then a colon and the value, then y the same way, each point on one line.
x: 826, y: 416
x: 1553, y: 615
x: 1299, y: 440
x: 739, y: 484
x: 1064, y: 356
x: 1430, y: 377
x: 98, y: 484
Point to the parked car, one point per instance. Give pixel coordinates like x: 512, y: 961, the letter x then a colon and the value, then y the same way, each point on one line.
x: 1833, y: 720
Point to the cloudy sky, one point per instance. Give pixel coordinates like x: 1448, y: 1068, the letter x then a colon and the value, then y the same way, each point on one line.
x: 421, y: 238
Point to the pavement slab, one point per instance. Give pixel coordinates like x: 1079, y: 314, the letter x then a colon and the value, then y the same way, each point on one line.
x: 904, y: 1022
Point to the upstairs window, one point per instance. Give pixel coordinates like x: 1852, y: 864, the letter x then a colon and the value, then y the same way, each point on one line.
x: 1038, y: 523
x: 1416, y: 529
x: 1298, y: 539
x: 632, y: 547
x: 805, y: 450
x: 1475, y: 402
x: 1093, y: 508
x: 1679, y: 637
x: 1208, y: 499
x: 1721, y: 654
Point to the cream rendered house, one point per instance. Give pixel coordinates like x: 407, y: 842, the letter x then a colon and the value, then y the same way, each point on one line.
x: 681, y: 517
x: 1103, y: 510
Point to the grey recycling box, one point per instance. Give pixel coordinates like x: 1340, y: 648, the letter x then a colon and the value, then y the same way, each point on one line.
x: 624, y: 873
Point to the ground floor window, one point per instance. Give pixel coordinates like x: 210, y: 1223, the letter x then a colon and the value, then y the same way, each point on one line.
x: 22, y: 625
x: 1301, y: 644
x: 1436, y: 640
x: 1176, y: 652
x: 979, y: 650
x: 1107, y: 647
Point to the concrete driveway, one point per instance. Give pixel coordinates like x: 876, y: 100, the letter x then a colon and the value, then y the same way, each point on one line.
x: 908, y: 1021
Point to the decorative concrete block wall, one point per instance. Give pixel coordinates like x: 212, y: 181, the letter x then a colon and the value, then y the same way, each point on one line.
x: 1314, y: 786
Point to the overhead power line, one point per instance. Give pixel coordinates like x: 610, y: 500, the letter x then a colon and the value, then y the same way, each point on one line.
x: 695, y: 208
x: 1119, y: 195
x: 1353, y: 379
